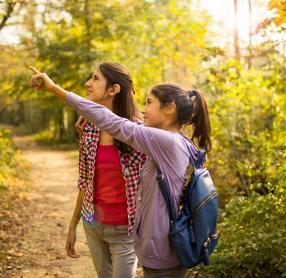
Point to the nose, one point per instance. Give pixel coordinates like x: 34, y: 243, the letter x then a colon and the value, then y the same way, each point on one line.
x: 87, y: 83
x: 143, y: 111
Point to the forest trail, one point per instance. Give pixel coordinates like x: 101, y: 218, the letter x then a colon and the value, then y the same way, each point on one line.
x: 51, y: 198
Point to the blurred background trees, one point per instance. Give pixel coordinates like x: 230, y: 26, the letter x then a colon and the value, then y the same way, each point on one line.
x: 182, y: 41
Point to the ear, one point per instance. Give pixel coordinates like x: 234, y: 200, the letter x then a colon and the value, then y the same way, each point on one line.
x: 171, y: 108
x: 115, y: 89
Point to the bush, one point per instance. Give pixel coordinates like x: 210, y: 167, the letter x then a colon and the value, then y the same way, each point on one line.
x: 7, y: 154
x: 252, y: 242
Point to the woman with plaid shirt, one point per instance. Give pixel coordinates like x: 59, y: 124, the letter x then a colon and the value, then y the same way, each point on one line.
x: 108, y: 180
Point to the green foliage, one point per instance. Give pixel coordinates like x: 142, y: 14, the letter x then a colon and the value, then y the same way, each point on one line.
x: 7, y: 153
x: 248, y: 130
x: 252, y: 242
x: 249, y: 167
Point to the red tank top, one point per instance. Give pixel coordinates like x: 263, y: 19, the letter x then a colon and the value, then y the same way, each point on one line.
x: 110, y: 202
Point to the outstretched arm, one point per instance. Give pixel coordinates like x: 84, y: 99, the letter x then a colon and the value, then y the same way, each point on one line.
x: 151, y: 141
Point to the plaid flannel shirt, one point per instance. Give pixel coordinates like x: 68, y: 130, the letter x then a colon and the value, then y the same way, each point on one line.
x: 131, y: 164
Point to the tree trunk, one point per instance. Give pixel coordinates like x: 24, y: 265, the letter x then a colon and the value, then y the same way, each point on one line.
x: 235, y: 32
x: 88, y: 36
x: 60, y: 128
x: 250, y: 35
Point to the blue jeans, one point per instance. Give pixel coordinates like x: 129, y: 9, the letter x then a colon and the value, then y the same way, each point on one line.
x: 111, y: 250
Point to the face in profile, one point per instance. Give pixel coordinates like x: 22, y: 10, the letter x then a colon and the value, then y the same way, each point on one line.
x: 96, y: 87
x: 153, y: 116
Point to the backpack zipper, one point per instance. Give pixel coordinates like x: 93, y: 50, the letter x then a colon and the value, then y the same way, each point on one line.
x: 202, y: 203
x: 214, y: 236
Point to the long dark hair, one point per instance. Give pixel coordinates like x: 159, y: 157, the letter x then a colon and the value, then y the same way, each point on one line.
x: 191, y: 110
x: 123, y: 102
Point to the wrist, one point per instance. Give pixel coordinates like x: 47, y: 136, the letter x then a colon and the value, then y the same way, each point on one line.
x: 72, y: 227
x: 58, y: 91
x: 54, y: 88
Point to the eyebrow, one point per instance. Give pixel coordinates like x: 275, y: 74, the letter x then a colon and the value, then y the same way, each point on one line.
x: 89, y: 76
x: 95, y: 75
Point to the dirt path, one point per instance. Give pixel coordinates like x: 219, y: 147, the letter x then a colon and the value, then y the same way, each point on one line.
x: 51, y: 198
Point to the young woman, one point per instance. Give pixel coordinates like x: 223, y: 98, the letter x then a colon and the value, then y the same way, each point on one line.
x: 168, y: 108
x: 108, y: 179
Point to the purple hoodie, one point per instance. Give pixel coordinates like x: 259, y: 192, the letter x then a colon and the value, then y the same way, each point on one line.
x: 166, y: 149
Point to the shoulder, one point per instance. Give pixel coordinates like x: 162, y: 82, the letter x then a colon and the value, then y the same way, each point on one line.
x: 189, y: 146
x: 184, y: 142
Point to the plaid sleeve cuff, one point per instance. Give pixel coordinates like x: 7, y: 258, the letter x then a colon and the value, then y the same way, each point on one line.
x: 81, y: 184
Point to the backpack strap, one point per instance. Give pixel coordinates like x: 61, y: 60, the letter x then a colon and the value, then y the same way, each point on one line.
x: 200, y: 158
x: 164, y: 186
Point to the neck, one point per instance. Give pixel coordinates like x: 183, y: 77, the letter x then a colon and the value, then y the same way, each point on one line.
x: 104, y: 137
x: 107, y: 104
x: 171, y: 128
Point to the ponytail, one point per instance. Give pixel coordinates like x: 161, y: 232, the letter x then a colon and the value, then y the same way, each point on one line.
x: 200, y: 121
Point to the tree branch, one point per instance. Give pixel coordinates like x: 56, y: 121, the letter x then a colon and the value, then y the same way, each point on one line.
x: 9, y: 10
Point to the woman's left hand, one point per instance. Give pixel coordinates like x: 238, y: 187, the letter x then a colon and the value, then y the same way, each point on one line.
x: 80, y: 124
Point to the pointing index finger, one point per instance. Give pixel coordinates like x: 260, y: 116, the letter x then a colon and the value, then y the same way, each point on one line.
x: 34, y: 70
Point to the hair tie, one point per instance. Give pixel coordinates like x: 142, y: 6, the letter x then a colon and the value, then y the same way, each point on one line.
x: 191, y: 93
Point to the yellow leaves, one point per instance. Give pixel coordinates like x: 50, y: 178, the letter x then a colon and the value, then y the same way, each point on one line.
x: 7, y: 86
x: 280, y: 7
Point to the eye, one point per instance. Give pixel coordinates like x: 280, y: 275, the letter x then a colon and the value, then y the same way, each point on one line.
x: 89, y: 77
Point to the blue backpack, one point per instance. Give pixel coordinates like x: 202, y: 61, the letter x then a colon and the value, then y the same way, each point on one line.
x: 193, y: 233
